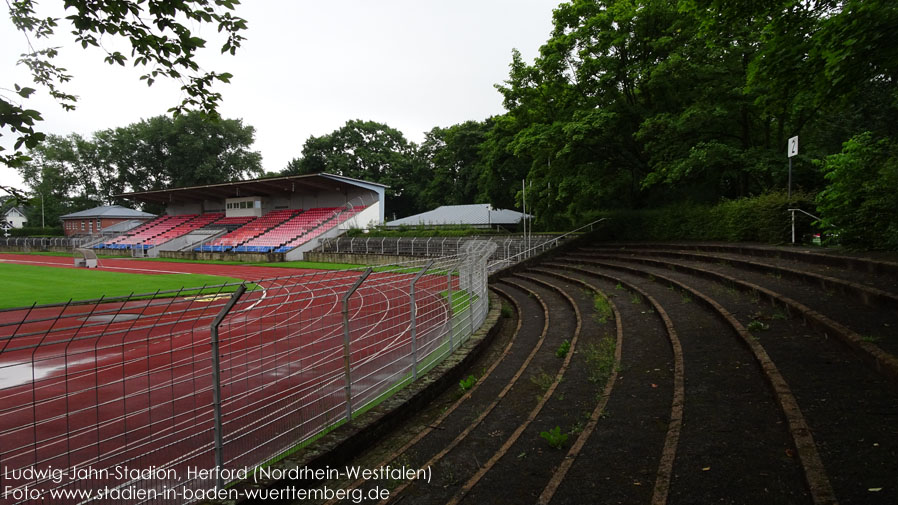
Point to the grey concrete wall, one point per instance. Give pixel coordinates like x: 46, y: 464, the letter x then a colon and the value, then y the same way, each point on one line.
x: 226, y: 256
x: 358, y: 259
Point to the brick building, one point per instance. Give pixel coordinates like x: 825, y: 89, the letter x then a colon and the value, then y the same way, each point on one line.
x: 94, y: 221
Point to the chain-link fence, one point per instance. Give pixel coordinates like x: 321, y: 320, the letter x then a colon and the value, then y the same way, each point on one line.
x: 165, y: 398
x: 506, y: 246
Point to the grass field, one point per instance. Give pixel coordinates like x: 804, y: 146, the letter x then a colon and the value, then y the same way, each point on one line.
x: 23, y: 285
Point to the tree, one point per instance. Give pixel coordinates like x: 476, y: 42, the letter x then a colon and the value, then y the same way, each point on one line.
x: 160, y: 39
x: 370, y: 151
x: 860, y: 200
x: 451, y: 165
x: 60, y: 182
x: 157, y: 153
x: 190, y: 149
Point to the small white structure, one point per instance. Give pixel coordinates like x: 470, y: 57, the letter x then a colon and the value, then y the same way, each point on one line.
x: 88, y: 258
x: 479, y: 215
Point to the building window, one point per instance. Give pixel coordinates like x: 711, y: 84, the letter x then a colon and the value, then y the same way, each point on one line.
x: 82, y: 225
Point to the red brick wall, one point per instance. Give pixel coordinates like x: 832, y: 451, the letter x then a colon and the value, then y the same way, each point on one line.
x: 88, y: 226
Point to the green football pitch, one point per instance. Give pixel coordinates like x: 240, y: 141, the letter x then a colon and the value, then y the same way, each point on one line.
x: 23, y: 285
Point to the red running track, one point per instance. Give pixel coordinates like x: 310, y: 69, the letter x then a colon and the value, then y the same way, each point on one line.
x: 129, y: 384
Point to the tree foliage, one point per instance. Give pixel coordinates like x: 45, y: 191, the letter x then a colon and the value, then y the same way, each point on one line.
x: 364, y: 150
x: 74, y: 173
x: 860, y: 200
x: 646, y: 103
x: 450, y: 165
x: 631, y: 105
x: 158, y: 33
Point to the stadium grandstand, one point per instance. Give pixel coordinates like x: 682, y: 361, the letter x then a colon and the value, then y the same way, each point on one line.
x: 280, y: 217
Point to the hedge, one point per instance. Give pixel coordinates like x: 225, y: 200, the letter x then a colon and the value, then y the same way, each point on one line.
x: 35, y: 231
x: 756, y: 219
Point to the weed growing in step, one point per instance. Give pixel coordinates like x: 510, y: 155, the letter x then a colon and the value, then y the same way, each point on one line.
x: 555, y: 437
x: 542, y: 380
x: 563, y: 349
x: 600, y: 359
x: 758, y: 326
x: 467, y: 383
x: 602, y: 308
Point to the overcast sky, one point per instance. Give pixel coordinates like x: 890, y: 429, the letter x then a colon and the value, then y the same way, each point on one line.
x: 308, y: 67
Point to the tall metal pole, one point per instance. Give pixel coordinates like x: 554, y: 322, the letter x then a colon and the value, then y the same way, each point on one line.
x: 524, y: 200
x: 216, y: 383
x: 790, y: 182
x: 530, y: 235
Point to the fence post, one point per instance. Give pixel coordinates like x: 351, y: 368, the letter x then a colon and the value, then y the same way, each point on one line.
x: 346, y: 355
x: 793, y: 226
x: 414, y: 312
x: 471, y: 298
x: 451, y: 311
x: 216, y: 382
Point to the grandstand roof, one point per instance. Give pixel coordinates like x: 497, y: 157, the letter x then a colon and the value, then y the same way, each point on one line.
x: 480, y: 214
x: 254, y: 187
x: 109, y: 212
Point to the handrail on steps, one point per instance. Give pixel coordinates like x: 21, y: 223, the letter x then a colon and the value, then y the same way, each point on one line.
x: 528, y: 252
x: 793, y: 211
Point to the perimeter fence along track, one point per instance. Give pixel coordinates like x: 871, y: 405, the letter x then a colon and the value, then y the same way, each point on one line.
x: 128, y: 389
x: 506, y: 246
x: 43, y: 243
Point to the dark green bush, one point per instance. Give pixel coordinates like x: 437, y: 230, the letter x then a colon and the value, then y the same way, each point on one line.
x: 757, y: 219
x: 35, y: 231
x: 861, y: 197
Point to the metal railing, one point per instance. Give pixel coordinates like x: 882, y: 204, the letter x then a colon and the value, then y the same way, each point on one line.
x: 42, y: 243
x: 539, y: 248
x: 187, y: 391
x: 793, y: 211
